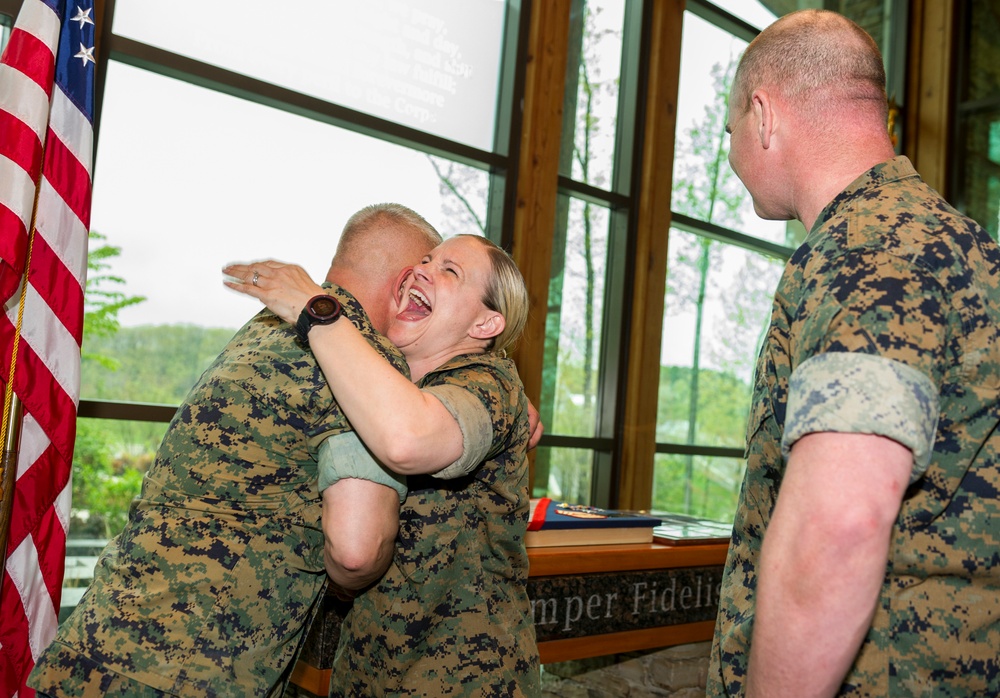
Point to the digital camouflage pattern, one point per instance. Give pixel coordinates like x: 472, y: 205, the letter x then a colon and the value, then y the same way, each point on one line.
x: 451, y: 616
x: 210, y: 587
x: 829, y: 391
x: 890, y: 269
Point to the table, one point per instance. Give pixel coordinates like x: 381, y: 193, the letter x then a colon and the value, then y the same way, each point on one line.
x: 587, y: 601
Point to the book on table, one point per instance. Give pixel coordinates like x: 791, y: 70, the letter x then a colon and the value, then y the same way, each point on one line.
x: 681, y: 529
x: 552, y: 523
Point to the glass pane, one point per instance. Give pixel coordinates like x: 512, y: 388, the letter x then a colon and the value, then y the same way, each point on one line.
x: 592, y: 86
x: 717, y: 306
x: 983, y: 79
x: 705, y: 186
x: 429, y: 64
x: 978, y: 116
x: 109, y: 460
x: 148, y: 363
x: 568, y: 476
x: 753, y: 12
x: 979, y: 178
x: 699, y: 486
x: 880, y: 18
x: 573, y: 334
x: 227, y: 180
x: 574, y: 322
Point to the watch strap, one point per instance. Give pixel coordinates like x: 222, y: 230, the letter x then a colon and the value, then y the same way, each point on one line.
x: 322, y: 309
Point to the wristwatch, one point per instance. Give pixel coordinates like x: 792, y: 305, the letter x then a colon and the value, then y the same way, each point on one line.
x: 319, y: 310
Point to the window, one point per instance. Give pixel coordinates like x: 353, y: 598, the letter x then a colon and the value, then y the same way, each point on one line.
x: 724, y: 264
x: 976, y: 178
x: 583, y: 316
x: 433, y: 65
x: 213, y: 149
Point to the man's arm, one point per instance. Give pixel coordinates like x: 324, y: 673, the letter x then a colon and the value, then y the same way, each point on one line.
x: 360, y: 520
x: 823, y: 561
x: 360, y: 511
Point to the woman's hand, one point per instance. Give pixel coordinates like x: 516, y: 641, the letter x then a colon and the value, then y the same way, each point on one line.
x: 283, y: 288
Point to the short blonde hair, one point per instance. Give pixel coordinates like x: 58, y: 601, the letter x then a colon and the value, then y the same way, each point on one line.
x: 506, y: 294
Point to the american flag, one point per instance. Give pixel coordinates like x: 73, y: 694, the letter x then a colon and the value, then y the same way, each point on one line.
x: 46, y: 144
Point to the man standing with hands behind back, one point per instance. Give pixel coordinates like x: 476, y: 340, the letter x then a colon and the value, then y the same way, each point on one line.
x: 864, y: 558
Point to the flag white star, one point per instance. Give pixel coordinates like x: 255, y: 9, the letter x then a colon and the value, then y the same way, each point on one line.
x: 83, y: 17
x: 86, y: 54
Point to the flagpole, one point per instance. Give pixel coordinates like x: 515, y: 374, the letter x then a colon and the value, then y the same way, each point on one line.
x: 12, y: 443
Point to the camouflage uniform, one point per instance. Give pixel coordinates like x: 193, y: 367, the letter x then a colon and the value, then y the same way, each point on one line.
x: 451, y: 616
x: 887, y: 321
x: 210, y: 586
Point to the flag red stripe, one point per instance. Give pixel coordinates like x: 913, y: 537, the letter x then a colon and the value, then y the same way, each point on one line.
x: 41, y: 395
x: 48, y: 403
x: 51, y: 476
x: 14, y: 639
x: 68, y: 177
x: 57, y: 286
x: 538, y: 518
x: 32, y: 57
x: 11, y: 225
x: 52, y: 555
x: 13, y: 247
x: 20, y: 144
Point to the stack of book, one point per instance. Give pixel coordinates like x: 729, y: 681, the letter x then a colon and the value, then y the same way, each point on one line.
x: 554, y: 523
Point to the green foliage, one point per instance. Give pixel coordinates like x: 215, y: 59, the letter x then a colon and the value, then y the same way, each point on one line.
x: 699, y: 485
x: 697, y: 405
x: 569, y: 475
x: 102, y: 300
x: 103, y: 484
x: 713, y: 485
x: 722, y: 404
x: 163, y: 362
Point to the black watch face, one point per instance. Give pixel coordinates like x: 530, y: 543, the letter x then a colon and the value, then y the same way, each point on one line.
x: 323, y: 307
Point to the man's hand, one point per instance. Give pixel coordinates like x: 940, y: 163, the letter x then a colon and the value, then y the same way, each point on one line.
x: 535, y: 426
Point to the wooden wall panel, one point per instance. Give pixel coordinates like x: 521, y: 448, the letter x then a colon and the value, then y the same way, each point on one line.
x: 930, y: 69
x: 538, y: 176
x: 639, y: 431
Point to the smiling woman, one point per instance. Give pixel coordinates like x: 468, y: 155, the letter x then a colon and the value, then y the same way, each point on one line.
x: 442, y: 282
x: 461, y: 433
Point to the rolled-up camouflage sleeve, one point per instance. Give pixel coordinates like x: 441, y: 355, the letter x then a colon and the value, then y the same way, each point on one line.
x: 473, y: 419
x: 863, y: 394
x: 345, y: 456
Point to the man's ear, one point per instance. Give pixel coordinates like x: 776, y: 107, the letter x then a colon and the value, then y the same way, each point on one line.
x: 765, y: 116
x: 488, y: 326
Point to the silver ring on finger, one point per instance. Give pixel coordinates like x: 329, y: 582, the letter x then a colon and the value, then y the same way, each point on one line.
x: 256, y: 276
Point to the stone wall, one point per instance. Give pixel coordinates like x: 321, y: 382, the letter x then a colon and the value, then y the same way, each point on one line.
x: 676, y: 672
